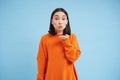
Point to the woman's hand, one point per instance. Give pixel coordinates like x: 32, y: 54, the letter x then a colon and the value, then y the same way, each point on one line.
x: 66, y: 36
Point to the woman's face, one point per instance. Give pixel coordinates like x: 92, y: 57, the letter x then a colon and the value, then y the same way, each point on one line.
x: 59, y: 21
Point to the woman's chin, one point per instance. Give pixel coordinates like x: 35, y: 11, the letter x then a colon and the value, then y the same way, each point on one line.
x: 60, y: 30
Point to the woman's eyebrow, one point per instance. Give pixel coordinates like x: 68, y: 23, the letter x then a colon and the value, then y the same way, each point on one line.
x: 58, y: 15
x: 55, y: 16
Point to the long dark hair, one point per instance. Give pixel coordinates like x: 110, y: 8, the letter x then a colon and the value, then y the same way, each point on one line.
x: 67, y: 30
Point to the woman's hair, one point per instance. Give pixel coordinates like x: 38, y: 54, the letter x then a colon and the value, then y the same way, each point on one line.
x: 67, y: 29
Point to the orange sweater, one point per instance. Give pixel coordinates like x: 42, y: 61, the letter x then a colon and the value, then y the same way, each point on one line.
x: 56, y: 58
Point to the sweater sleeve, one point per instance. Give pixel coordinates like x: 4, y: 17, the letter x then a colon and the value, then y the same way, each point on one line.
x: 41, y: 60
x: 72, y: 50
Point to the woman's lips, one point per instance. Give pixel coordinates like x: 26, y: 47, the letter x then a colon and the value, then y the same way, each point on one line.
x: 59, y: 27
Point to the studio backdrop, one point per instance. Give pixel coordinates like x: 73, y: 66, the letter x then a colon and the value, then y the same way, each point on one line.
x: 96, y: 24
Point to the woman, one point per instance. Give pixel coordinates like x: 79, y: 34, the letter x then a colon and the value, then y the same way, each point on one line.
x: 58, y: 50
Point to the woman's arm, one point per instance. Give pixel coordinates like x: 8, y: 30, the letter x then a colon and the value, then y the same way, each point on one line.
x: 72, y: 50
x: 41, y: 60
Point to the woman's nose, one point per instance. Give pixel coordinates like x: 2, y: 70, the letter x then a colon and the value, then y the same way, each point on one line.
x: 60, y: 21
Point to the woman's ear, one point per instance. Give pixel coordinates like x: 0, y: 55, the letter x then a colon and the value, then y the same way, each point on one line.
x: 67, y: 22
x: 51, y: 22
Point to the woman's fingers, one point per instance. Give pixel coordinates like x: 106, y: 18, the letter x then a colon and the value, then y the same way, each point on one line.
x: 64, y: 37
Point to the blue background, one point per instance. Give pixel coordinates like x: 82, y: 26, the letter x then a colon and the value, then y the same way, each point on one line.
x: 95, y: 22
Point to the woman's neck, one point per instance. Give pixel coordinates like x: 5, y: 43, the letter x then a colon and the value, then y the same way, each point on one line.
x: 59, y: 32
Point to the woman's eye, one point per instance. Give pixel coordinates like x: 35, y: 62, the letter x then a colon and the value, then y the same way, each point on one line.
x: 56, y: 18
x: 63, y: 19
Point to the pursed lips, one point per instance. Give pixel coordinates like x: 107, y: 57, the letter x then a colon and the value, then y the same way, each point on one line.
x: 59, y: 26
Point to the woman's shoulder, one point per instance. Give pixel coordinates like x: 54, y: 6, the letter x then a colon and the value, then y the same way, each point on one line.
x: 45, y: 36
x: 72, y: 35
